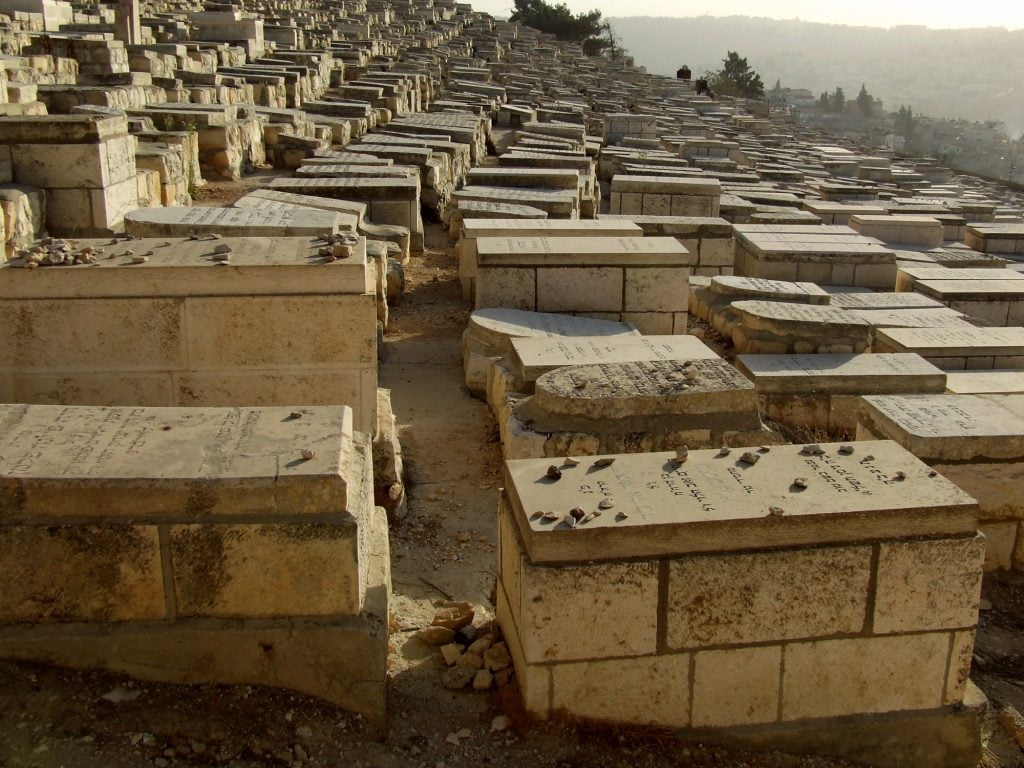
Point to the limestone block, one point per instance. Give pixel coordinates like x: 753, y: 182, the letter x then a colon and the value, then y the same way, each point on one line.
x: 595, y: 289
x: 893, y: 673
x: 652, y: 690
x: 786, y: 595
x: 92, y: 573
x: 736, y: 687
x: 564, y: 612
x: 266, y: 570
x: 924, y: 585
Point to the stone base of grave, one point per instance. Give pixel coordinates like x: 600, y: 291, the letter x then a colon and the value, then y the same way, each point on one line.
x: 343, y: 662
x: 945, y: 738
x: 834, y: 617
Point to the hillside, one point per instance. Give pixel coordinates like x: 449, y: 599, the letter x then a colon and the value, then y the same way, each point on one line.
x: 976, y: 74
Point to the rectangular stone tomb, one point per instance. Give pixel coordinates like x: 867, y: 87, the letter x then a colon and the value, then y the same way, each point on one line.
x: 236, y: 222
x: 651, y: 404
x: 211, y: 322
x: 665, y: 196
x: 996, y: 238
x: 639, y: 280
x: 818, y: 589
x: 909, y: 230
x: 977, y: 442
x: 823, y: 255
x: 488, y: 336
x: 775, y: 327
x: 473, y: 229
x: 825, y: 391
x: 998, y: 302
x: 196, y: 545
x: 957, y: 349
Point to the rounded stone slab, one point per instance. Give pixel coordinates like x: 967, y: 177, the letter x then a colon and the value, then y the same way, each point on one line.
x: 784, y: 317
x: 803, y: 293
x: 641, y: 396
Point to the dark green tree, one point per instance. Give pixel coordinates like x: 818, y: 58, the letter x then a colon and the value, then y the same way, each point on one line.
x: 905, y: 123
x: 838, y: 100
x: 584, y: 28
x: 865, y: 102
x: 736, y: 78
x: 824, y: 102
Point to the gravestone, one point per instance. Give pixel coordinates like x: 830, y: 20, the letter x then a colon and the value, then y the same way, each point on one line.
x: 977, y: 442
x: 177, y: 544
x: 824, y: 391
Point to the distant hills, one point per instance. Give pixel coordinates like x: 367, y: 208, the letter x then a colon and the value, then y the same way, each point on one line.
x: 976, y: 74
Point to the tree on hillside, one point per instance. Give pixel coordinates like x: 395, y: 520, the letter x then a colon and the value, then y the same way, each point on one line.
x: 905, y: 123
x: 865, y: 103
x: 584, y: 28
x: 838, y: 100
x: 736, y: 78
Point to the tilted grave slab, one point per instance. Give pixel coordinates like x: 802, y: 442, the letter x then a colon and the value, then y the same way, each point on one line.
x: 489, y: 331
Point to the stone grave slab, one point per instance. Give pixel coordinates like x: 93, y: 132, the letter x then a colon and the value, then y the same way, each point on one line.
x: 474, y: 229
x: 867, y: 573
x: 652, y: 404
x: 771, y: 327
x: 997, y: 302
x: 985, y: 382
x: 641, y: 280
x: 977, y: 442
x: 957, y: 348
x: 239, y: 222
x: 178, y: 542
x: 489, y: 331
x: 183, y: 328
x: 824, y: 391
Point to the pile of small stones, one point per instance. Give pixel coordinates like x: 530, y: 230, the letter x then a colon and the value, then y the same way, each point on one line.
x: 472, y: 655
x: 339, y: 246
x: 55, y: 252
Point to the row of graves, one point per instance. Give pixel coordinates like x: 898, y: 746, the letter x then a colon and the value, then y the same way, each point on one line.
x: 666, y: 290
x: 193, y: 437
x: 762, y: 421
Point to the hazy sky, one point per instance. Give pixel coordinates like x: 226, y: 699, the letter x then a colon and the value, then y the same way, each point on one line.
x: 875, y: 13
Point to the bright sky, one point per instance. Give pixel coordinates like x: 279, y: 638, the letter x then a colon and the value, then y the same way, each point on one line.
x: 875, y: 13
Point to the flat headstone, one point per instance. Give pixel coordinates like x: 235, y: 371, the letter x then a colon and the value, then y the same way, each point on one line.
x: 735, y: 286
x: 938, y: 317
x: 949, y: 427
x: 78, y: 460
x: 239, y: 222
x: 714, y: 503
x: 533, y: 357
x: 985, y: 382
x: 582, y: 251
x: 841, y: 374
